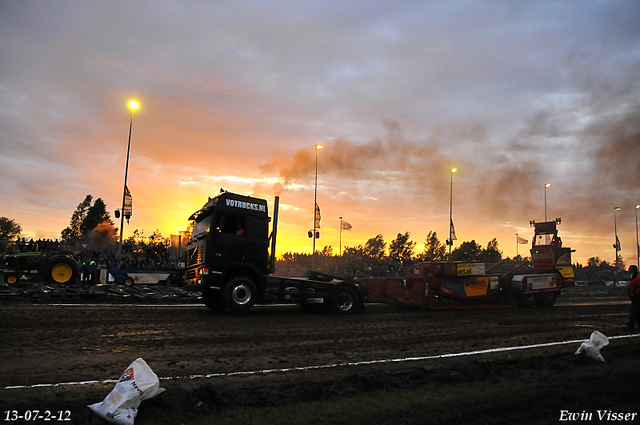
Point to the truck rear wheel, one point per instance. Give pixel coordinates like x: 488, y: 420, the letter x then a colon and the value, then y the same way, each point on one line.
x: 61, y: 270
x: 213, y: 299
x: 239, y: 294
x: 344, y: 300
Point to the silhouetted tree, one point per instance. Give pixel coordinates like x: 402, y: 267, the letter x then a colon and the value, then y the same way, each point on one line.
x: 434, y: 250
x: 9, y: 229
x: 73, y: 233
x: 492, y: 254
x: 375, y: 247
x: 401, y: 249
x: 96, y: 214
x: 467, y: 251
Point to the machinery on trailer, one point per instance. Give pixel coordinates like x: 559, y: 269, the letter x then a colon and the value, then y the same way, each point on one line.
x: 168, y: 274
x: 464, y: 285
x: 228, y: 259
x: 50, y: 268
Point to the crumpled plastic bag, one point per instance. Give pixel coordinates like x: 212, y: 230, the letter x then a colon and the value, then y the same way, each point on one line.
x: 137, y: 383
x: 591, y: 347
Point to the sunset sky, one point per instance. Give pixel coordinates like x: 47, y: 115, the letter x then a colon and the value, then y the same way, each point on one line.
x: 234, y: 95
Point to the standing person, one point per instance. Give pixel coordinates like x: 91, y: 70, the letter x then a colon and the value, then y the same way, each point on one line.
x: 633, y: 290
x: 93, y: 272
x: 86, y: 271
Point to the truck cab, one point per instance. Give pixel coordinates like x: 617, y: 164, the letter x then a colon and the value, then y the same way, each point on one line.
x: 230, y: 231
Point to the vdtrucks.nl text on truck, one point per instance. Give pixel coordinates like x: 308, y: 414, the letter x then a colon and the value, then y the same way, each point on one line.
x: 228, y: 259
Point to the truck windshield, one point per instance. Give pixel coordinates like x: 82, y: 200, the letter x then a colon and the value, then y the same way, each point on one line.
x: 202, y: 228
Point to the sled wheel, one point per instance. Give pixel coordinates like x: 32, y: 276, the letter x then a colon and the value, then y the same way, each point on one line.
x: 546, y: 299
x: 61, y: 270
x: 527, y: 300
x: 344, y: 300
x: 239, y: 294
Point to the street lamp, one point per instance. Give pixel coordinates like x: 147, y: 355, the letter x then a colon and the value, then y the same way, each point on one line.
x: 318, y: 146
x: 452, y: 234
x: 133, y: 105
x: 341, y: 236
x: 637, y: 242
x: 616, y: 245
x: 545, y: 200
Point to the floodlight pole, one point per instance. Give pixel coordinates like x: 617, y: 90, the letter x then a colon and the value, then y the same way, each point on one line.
x: 132, y: 105
x: 318, y: 146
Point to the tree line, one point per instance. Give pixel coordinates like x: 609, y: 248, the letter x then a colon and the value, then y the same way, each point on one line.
x: 379, y: 258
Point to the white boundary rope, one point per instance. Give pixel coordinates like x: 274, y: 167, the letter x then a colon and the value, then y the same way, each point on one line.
x: 327, y: 366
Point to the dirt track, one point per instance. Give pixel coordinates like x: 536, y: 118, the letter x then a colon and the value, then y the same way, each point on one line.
x: 48, y: 344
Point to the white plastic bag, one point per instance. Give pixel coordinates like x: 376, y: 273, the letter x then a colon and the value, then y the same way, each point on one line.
x: 137, y: 383
x: 592, y: 346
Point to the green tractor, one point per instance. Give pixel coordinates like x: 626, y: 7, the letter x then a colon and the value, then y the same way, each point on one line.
x: 35, y: 265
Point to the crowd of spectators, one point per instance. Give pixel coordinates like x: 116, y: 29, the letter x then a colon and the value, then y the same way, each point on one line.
x: 135, y: 255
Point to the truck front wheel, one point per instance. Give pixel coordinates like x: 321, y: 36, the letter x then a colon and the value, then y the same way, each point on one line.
x: 344, y: 300
x: 239, y: 294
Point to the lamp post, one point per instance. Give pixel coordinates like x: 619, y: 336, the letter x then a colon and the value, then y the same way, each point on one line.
x: 451, y: 228
x: 341, y: 236
x: 637, y: 242
x: 318, y: 146
x: 133, y: 105
x: 616, y: 245
x: 546, y: 185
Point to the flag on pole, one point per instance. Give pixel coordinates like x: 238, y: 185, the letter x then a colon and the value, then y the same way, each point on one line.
x: 452, y: 232
x: 128, y: 204
x: 522, y: 240
x: 346, y: 226
x: 317, y: 223
x: 617, y: 244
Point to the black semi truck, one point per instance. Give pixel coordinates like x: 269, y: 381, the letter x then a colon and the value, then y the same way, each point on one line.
x: 228, y: 259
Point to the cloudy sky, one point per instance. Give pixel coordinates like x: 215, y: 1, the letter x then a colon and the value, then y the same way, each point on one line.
x: 515, y: 94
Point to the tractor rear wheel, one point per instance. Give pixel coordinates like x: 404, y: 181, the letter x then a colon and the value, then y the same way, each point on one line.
x: 61, y: 270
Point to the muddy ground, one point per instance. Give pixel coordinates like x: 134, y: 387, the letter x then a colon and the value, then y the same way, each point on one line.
x: 45, y: 340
